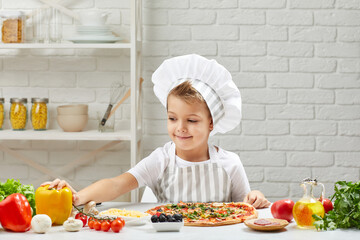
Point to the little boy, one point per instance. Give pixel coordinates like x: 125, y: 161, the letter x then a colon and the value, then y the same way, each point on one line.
x: 201, y: 100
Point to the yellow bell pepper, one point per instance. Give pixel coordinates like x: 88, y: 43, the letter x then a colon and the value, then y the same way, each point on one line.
x: 57, y: 204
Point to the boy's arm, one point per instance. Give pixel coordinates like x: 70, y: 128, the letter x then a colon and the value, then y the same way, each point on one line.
x: 107, y: 189
x: 101, y: 191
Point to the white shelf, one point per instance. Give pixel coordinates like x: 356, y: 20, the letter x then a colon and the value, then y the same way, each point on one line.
x: 92, y: 135
x: 63, y: 45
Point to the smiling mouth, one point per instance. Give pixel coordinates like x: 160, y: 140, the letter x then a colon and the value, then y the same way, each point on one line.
x: 182, y: 138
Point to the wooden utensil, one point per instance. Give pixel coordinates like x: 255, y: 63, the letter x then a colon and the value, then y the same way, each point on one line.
x: 282, y: 223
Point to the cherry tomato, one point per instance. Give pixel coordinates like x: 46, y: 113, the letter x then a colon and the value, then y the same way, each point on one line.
x: 122, y: 221
x: 282, y: 209
x: 116, y: 225
x: 91, y: 224
x: 328, y: 205
x: 97, y: 225
x: 82, y: 217
x: 105, y: 226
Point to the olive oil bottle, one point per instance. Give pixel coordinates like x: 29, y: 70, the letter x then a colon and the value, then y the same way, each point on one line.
x: 308, y: 205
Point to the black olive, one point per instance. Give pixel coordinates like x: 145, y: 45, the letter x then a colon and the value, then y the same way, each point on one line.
x: 178, y: 217
x: 212, y: 210
x: 159, y: 210
x: 162, y: 218
x: 154, y: 218
x: 170, y: 218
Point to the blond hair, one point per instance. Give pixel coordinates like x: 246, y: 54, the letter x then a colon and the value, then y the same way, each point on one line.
x: 188, y: 93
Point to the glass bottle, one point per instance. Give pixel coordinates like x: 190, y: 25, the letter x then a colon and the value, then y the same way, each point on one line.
x: 1, y: 112
x: 308, y: 205
x: 39, y: 113
x: 18, y: 113
x: 55, y: 26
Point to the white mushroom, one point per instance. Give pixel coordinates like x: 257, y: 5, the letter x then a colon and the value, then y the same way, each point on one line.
x: 41, y: 223
x: 90, y: 208
x: 73, y: 225
x: 74, y: 212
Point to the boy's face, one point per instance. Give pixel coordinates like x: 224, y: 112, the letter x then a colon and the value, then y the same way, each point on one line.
x: 189, y: 125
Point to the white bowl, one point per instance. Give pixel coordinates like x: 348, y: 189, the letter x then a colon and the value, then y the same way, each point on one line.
x: 72, y: 123
x: 168, y: 226
x: 76, y: 109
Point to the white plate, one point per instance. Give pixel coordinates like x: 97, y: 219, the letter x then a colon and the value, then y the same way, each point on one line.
x: 131, y: 221
x: 168, y: 226
x: 92, y: 28
x: 93, y: 39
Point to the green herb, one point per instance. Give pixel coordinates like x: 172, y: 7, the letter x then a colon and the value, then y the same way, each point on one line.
x: 11, y: 186
x: 346, y: 212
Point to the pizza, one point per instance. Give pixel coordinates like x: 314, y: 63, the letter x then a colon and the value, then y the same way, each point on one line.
x: 208, y: 214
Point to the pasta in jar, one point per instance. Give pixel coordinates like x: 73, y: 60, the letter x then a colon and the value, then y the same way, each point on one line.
x: 39, y: 113
x: 18, y: 113
x: 1, y: 112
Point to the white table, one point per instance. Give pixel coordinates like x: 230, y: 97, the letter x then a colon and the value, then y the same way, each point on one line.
x: 145, y: 232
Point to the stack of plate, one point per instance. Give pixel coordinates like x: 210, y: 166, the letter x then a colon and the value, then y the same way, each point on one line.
x: 93, y: 34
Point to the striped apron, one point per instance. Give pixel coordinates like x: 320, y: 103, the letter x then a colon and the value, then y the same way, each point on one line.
x: 207, y: 182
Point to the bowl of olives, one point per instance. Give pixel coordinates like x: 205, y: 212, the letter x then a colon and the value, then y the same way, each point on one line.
x: 167, y: 223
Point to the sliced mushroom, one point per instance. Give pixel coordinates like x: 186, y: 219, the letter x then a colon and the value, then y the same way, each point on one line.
x: 90, y: 208
x: 74, y: 212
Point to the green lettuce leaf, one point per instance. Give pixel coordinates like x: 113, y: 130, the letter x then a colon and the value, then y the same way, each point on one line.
x: 14, y: 186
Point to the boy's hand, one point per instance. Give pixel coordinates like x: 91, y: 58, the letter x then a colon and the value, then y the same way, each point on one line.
x: 257, y: 199
x: 60, y: 184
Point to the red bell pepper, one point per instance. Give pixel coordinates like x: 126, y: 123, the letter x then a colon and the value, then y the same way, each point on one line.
x: 15, y: 213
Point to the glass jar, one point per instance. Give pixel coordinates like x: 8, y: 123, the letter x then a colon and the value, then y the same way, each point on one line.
x: 39, y: 113
x: 12, y: 26
x: 1, y: 112
x: 18, y: 113
x: 308, y: 205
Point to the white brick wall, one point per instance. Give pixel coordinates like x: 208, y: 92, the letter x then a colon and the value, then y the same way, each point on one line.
x: 296, y: 63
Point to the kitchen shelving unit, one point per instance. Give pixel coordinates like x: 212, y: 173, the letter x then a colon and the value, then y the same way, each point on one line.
x: 133, y: 134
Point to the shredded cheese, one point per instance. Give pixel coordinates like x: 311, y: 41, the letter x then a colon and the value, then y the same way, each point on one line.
x: 123, y: 212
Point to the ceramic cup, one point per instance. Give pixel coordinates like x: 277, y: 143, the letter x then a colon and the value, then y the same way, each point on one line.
x: 93, y: 18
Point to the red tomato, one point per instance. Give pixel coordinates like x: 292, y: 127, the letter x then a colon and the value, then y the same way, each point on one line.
x: 82, y: 217
x: 282, y: 209
x: 97, y: 225
x: 105, y: 226
x: 91, y: 224
x: 122, y: 221
x: 116, y: 225
x: 328, y: 206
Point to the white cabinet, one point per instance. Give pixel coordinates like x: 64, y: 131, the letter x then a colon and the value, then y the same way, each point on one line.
x: 133, y: 134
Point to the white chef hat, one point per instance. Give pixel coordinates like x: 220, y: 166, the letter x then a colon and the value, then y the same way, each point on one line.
x: 210, y: 79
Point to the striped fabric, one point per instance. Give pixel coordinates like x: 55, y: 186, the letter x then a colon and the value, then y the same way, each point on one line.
x: 206, y: 182
x: 212, y: 99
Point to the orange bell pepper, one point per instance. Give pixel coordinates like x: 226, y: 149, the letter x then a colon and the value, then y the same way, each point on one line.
x: 57, y: 204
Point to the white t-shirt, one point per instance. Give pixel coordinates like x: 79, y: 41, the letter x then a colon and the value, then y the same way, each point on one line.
x: 148, y: 170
